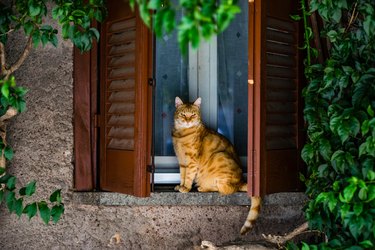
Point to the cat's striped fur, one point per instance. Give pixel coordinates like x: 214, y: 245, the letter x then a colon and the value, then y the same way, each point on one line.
x: 207, y: 158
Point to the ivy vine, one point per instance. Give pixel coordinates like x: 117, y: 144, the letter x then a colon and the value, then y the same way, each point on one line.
x: 339, y: 111
x: 75, y: 18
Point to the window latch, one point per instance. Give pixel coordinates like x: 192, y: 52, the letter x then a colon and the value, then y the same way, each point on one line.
x: 151, y: 82
x: 150, y: 168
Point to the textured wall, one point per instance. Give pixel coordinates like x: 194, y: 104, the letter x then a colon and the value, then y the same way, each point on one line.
x: 42, y: 138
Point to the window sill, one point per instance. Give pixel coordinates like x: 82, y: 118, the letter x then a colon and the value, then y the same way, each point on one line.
x: 183, y: 199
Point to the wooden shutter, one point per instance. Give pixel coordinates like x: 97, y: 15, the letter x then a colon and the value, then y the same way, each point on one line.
x: 274, y: 97
x: 125, y: 111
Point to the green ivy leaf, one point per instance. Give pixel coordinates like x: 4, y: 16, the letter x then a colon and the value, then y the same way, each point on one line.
x: 358, y: 208
x: 336, y: 15
x: 34, y: 9
x: 362, y: 194
x: 332, y: 202
x: 4, y: 179
x: 18, y: 206
x: 56, y: 212
x: 325, y: 149
x: 348, y: 192
x: 44, y: 211
x: 371, y: 193
x: 30, y: 188
x: 370, y: 175
x: 28, y: 27
x: 369, y: 25
x: 5, y: 90
x: 1, y: 195
x: 30, y: 210
x: 370, y: 111
x: 8, y: 153
x: 307, y: 152
x: 366, y: 244
x: 56, y: 196
x: 365, y: 127
x: 11, y: 183
x: 10, y: 199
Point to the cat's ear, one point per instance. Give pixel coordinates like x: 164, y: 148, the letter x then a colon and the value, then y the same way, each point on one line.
x: 198, y: 102
x: 178, y: 102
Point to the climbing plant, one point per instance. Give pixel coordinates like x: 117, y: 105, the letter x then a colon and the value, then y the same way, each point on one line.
x: 201, y: 18
x: 340, y: 114
x: 75, y: 18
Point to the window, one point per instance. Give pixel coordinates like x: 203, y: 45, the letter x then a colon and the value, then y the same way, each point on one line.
x: 255, y: 100
x: 217, y: 72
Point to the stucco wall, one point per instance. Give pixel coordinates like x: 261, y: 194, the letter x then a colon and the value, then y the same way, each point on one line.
x: 42, y: 138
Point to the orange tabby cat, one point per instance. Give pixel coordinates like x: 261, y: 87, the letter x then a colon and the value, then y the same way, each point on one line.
x: 207, y: 158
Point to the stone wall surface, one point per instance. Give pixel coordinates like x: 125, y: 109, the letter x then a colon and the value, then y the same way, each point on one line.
x: 42, y: 138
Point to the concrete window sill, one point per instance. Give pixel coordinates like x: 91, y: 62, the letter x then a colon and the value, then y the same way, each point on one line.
x: 183, y: 199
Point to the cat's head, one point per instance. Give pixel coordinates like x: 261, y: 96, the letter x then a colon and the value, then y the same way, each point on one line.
x: 187, y: 115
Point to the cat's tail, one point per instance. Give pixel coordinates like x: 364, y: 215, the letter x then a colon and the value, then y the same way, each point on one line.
x: 253, y: 214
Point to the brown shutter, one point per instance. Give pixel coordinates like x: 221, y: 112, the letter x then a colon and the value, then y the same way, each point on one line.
x: 125, y: 104
x: 274, y: 101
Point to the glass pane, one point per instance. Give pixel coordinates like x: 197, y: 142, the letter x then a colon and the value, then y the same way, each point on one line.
x: 171, y: 81
x: 232, y: 89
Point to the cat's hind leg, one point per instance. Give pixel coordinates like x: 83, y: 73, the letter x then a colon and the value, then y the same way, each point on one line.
x: 226, y: 187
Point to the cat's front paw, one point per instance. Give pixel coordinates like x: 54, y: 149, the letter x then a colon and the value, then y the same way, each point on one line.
x: 182, y: 189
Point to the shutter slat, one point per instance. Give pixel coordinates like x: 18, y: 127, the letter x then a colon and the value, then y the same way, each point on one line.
x: 280, y: 60
x: 283, y: 84
x: 122, y: 49
x: 273, y: 34
x: 122, y: 25
x: 280, y: 48
x: 116, y: 85
x: 281, y: 24
x: 281, y: 107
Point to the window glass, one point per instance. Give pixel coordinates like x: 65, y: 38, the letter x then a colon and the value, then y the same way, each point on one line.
x: 232, y: 81
x: 172, y: 79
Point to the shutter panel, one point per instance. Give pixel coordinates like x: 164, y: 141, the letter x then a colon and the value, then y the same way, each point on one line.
x: 274, y: 98
x: 125, y: 104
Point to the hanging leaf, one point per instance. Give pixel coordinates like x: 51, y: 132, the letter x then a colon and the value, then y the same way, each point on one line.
x: 44, y: 211
x: 30, y: 210
x: 56, y: 212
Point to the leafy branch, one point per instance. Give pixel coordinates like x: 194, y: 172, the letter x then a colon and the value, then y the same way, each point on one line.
x: 75, y: 18
x: 339, y: 111
x: 201, y: 18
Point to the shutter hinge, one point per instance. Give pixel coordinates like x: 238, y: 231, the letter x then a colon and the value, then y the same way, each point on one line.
x: 150, y: 168
x: 151, y: 82
x: 97, y: 121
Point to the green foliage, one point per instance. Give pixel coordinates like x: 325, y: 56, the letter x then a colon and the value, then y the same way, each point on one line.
x: 339, y: 111
x: 75, y: 18
x: 15, y: 201
x: 201, y: 18
x: 13, y: 96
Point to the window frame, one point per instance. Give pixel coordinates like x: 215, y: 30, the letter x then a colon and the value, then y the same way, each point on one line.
x: 87, y: 121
